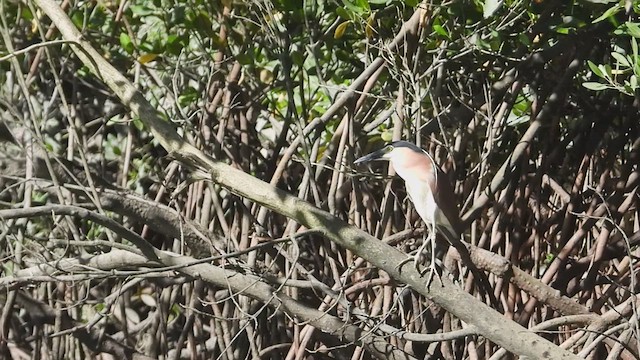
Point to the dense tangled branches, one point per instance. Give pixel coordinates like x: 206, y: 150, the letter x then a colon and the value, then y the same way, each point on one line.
x: 117, y: 238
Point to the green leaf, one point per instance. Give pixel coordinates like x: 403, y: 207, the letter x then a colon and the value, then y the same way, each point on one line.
x: 244, y: 59
x: 343, y: 13
x: 605, y: 70
x: 621, y: 59
x: 78, y: 19
x: 26, y: 14
x: 524, y: 39
x: 610, y: 12
x: 175, y: 43
x: 440, y: 30
x: 188, y: 97
x: 175, y: 310
x: 117, y: 151
x: 549, y: 258
x: 125, y: 42
x: 359, y: 7
x: 297, y: 58
x: 138, y: 123
x: 140, y: 10
x: 387, y: 135
x: 364, y: 5
x: 595, y: 86
x: 595, y: 69
x: 39, y: 197
x: 633, y: 29
x: 178, y: 15
x: 203, y: 24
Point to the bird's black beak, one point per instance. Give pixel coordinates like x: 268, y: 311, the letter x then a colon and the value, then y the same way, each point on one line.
x: 376, y: 155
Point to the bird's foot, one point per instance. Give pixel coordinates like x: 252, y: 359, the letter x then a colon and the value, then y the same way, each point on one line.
x: 433, y: 272
x: 404, y: 262
x: 417, y: 259
x: 433, y: 268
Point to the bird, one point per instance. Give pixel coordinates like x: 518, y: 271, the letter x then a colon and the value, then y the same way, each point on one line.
x: 433, y: 197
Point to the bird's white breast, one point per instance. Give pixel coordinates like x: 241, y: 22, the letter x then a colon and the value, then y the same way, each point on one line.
x: 422, y: 198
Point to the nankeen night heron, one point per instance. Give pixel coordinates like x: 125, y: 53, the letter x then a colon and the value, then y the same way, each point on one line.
x: 432, y: 195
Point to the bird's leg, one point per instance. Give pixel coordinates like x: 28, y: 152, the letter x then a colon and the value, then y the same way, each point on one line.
x: 417, y: 258
x: 433, y: 269
x: 431, y: 239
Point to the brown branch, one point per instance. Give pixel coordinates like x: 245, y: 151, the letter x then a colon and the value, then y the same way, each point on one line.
x: 505, y: 172
x: 92, y: 338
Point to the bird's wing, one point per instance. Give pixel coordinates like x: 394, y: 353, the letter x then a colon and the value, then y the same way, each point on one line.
x: 444, y: 196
